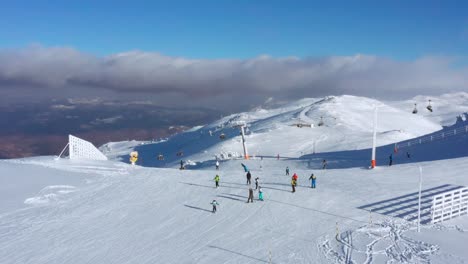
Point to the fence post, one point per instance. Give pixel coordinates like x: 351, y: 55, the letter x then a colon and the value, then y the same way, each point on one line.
x: 432, y: 210
x: 337, y: 232
x: 419, y: 199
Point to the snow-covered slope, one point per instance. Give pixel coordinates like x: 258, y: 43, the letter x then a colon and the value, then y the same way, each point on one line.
x: 67, y: 211
x: 348, y: 124
x: 109, y: 212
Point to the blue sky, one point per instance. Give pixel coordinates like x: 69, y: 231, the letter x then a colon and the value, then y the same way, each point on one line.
x: 402, y: 30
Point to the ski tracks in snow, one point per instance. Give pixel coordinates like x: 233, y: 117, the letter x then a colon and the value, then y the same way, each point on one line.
x: 378, y: 242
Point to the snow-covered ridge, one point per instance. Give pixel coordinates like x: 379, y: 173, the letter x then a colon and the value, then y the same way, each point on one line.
x: 293, y: 130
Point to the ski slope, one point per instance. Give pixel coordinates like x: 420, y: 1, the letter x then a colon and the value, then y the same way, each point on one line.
x: 348, y: 125
x: 110, y: 212
x: 68, y: 211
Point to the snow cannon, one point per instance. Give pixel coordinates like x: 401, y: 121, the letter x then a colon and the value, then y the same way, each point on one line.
x: 133, y: 157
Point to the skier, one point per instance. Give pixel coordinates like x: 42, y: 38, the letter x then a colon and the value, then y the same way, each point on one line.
x: 390, y: 160
x: 256, y: 183
x: 294, y: 177
x: 182, y: 165
x: 217, y: 165
x: 313, y: 178
x: 287, y: 171
x: 249, y: 176
x: 216, y: 178
x: 277, y: 157
x: 260, y: 193
x: 408, y: 155
x: 250, y: 195
x: 293, y: 185
x: 214, y: 203
x: 245, y: 167
x: 324, y: 164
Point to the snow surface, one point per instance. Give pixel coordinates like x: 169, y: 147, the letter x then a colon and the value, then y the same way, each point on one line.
x: 348, y: 125
x: 68, y: 211
x: 115, y: 213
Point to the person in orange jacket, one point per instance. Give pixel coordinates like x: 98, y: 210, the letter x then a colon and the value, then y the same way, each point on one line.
x: 294, y: 177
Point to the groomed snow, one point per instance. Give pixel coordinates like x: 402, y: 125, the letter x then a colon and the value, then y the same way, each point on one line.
x: 110, y: 212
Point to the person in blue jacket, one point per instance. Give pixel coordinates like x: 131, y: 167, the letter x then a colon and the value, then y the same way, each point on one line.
x: 260, y: 193
x: 245, y: 167
x: 313, y: 178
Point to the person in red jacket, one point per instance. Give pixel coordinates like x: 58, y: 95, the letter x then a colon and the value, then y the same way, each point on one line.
x: 294, y: 177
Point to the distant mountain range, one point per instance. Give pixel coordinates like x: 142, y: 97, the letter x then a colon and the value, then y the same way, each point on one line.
x: 42, y: 128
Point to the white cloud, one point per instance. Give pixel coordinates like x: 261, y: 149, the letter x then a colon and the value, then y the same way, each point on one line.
x: 198, y: 79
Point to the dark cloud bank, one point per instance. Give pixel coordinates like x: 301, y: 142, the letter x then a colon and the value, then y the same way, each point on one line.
x: 231, y: 83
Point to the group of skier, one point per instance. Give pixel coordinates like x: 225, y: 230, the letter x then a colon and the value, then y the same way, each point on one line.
x: 295, y: 177
x: 258, y: 188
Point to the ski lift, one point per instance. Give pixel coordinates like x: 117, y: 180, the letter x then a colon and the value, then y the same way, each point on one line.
x: 415, y: 110
x: 321, y: 121
x: 429, y: 106
x: 160, y: 157
x: 222, y: 136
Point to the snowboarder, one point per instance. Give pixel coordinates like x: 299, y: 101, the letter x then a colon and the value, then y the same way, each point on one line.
x: 293, y: 185
x: 287, y: 171
x: 182, y: 167
x: 217, y: 165
x: 245, y: 167
x: 260, y: 193
x: 216, y: 178
x: 256, y: 183
x: 324, y: 164
x: 250, y: 195
x: 390, y: 160
x: 313, y: 178
x: 214, y: 203
x: 249, y: 176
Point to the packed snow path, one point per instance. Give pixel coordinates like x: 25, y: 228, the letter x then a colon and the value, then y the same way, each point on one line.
x: 109, y: 212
